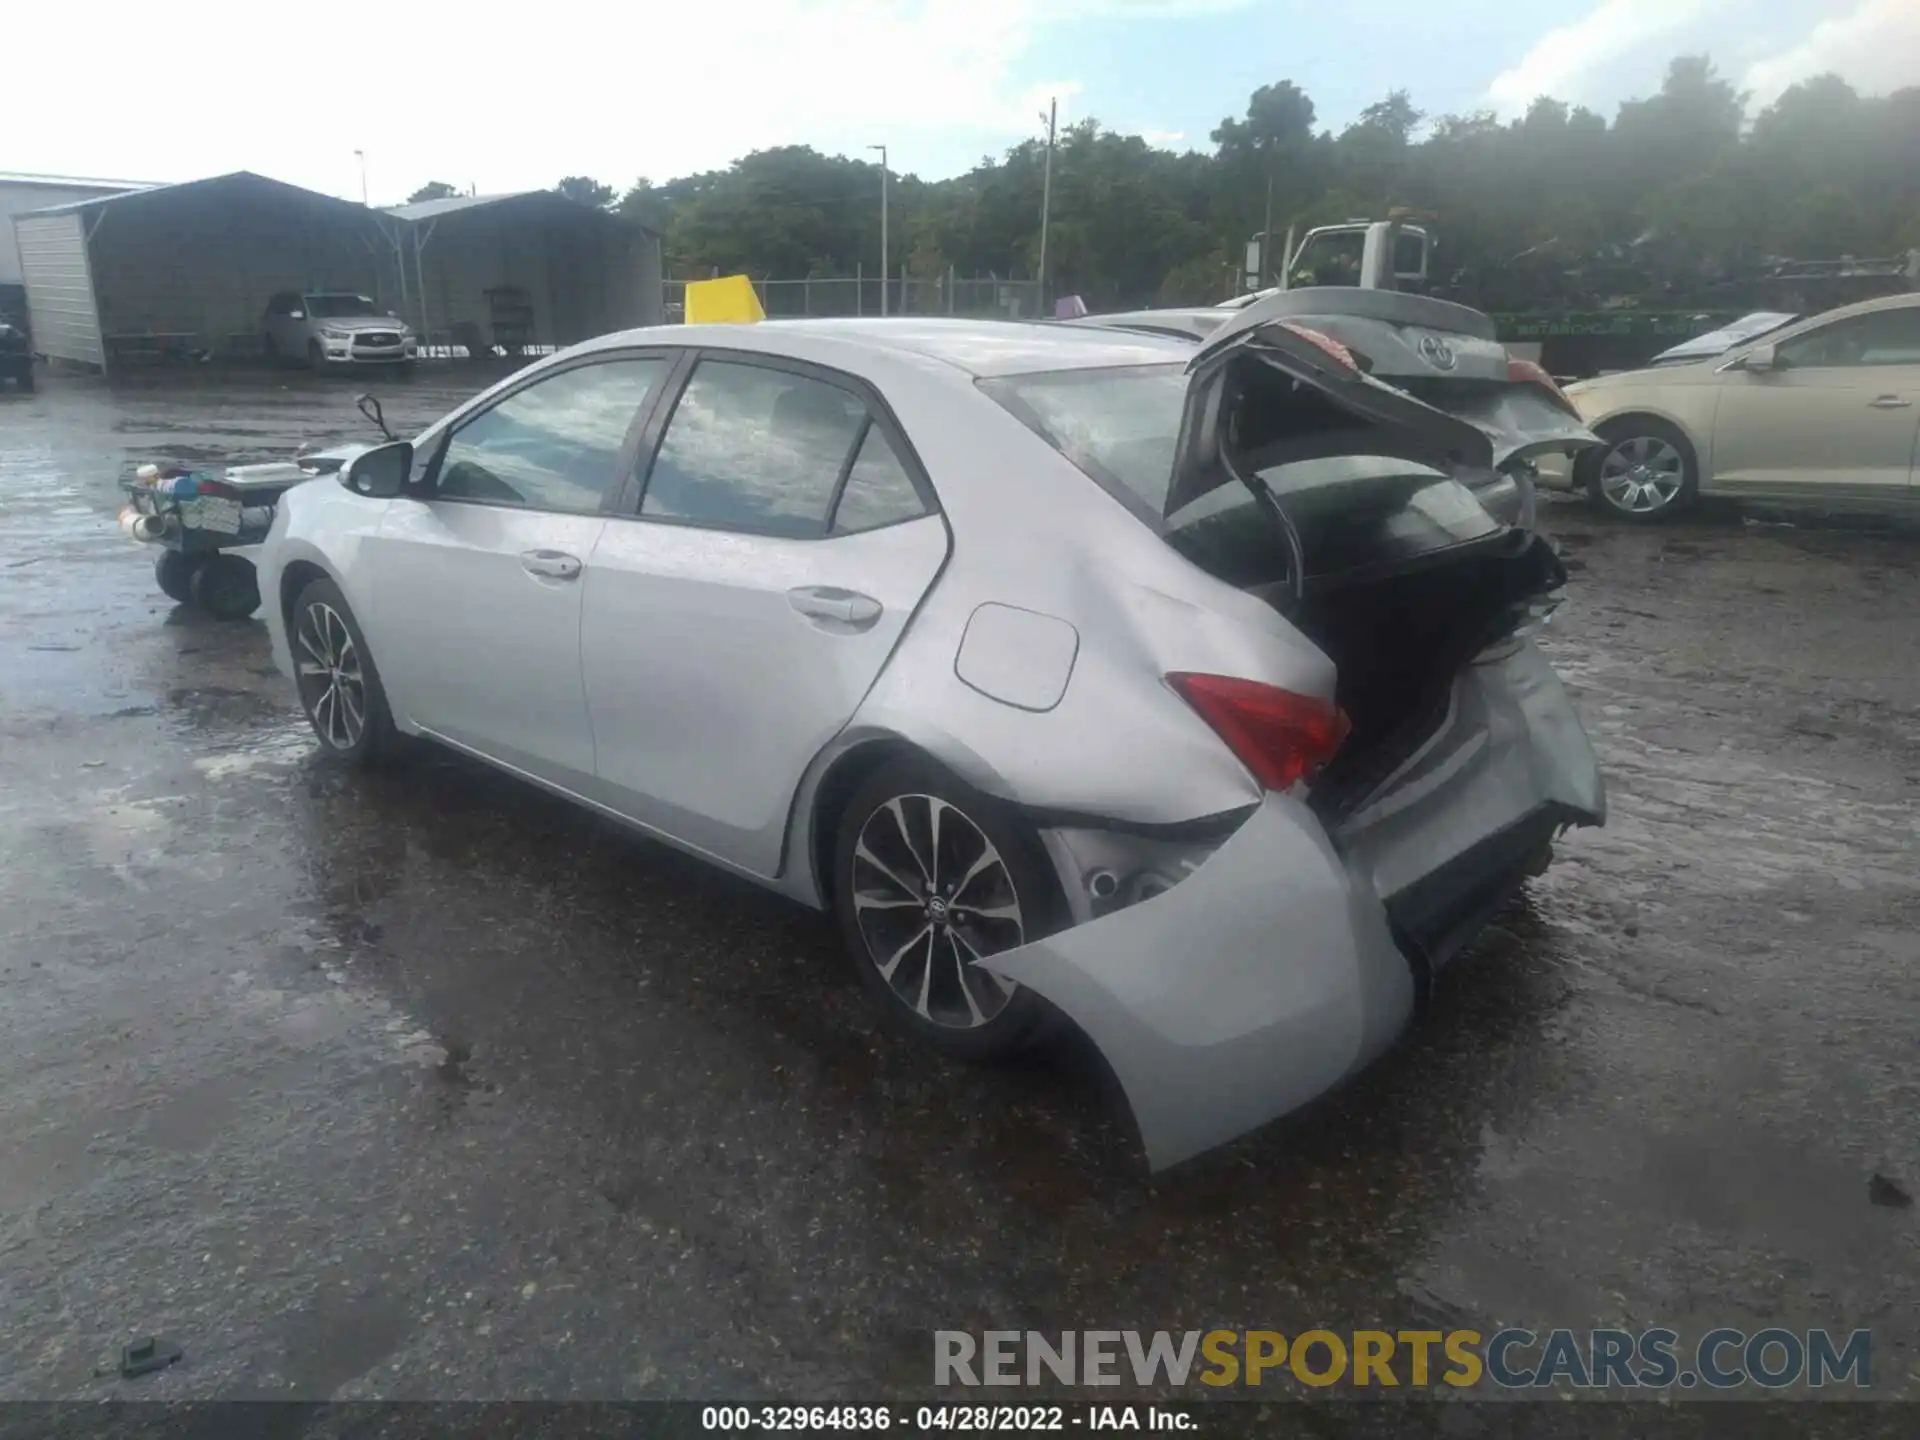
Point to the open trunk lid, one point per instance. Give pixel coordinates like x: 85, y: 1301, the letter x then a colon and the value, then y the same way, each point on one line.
x: 1439, y: 356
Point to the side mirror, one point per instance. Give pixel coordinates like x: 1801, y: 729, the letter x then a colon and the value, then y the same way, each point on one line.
x: 380, y: 473
x: 1760, y: 359
x: 296, y: 314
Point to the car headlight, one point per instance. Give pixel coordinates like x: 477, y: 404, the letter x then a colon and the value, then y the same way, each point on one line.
x: 327, y: 332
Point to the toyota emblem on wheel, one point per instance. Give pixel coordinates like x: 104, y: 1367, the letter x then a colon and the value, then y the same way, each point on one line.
x: 1437, y: 352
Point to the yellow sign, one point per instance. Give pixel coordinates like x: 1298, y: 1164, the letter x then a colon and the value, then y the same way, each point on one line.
x: 728, y: 300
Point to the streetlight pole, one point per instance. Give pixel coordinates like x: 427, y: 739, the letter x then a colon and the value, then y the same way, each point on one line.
x: 361, y: 156
x: 1046, y: 200
x: 883, y: 225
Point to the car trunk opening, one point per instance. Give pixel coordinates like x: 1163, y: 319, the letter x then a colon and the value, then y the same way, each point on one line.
x: 1365, y: 515
x: 1360, y: 513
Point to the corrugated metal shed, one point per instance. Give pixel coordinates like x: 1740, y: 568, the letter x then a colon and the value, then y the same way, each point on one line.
x: 21, y: 193
x: 566, y: 271
x: 189, y: 268
x: 61, y: 309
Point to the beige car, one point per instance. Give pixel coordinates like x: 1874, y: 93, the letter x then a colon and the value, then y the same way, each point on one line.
x: 1825, y: 410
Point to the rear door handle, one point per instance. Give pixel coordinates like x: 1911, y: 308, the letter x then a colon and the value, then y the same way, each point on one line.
x: 829, y: 602
x: 550, y: 564
x: 1889, y: 402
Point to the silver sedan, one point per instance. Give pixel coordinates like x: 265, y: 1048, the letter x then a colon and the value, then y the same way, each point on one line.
x: 1187, y: 696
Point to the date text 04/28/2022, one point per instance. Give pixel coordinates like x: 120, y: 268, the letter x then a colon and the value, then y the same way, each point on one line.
x: 945, y: 1417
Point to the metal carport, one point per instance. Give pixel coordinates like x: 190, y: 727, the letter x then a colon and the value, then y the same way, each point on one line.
x: 188, y: 268
x: 563, y: 270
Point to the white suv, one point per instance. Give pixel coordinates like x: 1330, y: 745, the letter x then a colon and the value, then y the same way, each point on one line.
x: 326, y: 329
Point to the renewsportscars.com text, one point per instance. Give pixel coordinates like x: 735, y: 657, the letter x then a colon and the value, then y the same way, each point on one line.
x: 1512, y: 1359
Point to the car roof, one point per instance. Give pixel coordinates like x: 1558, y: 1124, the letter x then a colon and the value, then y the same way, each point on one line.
x: 977, y: 347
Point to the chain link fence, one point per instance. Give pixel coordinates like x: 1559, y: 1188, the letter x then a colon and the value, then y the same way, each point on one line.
x: 949, y: 294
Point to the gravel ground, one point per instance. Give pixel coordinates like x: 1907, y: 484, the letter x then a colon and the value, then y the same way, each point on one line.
x: 424, y: 1085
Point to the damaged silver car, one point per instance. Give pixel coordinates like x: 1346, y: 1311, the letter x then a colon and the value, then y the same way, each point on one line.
x: 1186, y: 694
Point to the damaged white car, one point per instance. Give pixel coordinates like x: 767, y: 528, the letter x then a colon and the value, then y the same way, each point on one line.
x: 1188, y: 695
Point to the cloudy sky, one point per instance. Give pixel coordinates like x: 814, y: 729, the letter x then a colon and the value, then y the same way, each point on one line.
x: 509, y: 96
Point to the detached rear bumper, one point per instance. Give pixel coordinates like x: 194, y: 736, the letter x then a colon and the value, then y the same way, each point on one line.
x: 1273, y: 971
x: 1264, y: 978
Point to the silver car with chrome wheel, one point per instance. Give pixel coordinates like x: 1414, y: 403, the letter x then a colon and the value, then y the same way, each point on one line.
x: 1186, y: 696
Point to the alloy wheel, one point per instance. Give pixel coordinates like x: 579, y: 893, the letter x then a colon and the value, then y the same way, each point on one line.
x: 332, y: 685
x: 1643, y: 474
x: 931, y: 895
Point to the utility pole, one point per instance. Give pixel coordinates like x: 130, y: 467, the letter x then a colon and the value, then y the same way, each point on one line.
x: 361, y: 156
x: 883, y: 225
x: 1266, y: 240
x: 1046, y: 200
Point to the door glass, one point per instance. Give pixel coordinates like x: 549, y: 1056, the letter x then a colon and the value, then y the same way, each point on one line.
x: 878, y: 491
x: 1887, y: 337
x: 554, y: 445
x: 750, y: 448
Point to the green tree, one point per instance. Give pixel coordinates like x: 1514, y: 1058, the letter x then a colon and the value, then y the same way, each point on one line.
x: 587, y: 191
x: 432, y: 190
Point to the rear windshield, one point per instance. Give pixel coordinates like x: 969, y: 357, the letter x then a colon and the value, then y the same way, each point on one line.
x: 1121, y: 426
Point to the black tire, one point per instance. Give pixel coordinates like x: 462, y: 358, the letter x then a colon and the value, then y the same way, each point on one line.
x: 270, y: 350
x: 226, y: 587
x: 1646, y: 494
x: 316, y: 358
x: 956, y: 1007
x: 314, y: 640
x: 173, y: 572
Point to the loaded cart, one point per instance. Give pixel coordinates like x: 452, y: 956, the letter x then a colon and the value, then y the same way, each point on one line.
x: 208, y: 525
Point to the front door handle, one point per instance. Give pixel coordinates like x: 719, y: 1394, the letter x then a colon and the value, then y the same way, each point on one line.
x: 550, y: 564
x: 828, y: 602
x: 1889, y: 402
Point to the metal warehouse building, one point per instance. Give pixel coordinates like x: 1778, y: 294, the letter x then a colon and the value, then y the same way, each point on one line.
x: 189, y: 268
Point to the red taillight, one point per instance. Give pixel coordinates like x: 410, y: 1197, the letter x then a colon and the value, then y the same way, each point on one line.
x: 1278, y: 735
x: 1526, y: 372
x: 1325, y: 342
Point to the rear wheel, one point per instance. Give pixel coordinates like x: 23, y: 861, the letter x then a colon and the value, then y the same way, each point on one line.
x: 931, y: 876
x: 339, y: 687
x: 1646, y: 470
x: 226, y: 587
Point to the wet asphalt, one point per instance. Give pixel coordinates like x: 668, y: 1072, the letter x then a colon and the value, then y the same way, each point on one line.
x: 421, y: 1084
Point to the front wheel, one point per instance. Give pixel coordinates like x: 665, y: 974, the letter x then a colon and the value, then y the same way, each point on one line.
x: 931, y: 876
x: 173, y: 572
x: 316, y: 358
x: 339, y: 687
x: 1646, y: 469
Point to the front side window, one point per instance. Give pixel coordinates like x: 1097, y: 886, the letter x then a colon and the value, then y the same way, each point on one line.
x: 755, y: 449
x: 554, y: 445
x: 1886, y: 337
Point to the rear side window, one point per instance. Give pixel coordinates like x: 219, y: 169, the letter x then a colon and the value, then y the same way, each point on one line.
x: 878, y: 489
x: 552, y: 446
x: 768, y: 451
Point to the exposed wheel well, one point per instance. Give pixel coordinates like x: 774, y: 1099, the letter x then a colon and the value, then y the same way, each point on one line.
x: 1615, y: 426
x: 846, y: 775
x: 295, y: 578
